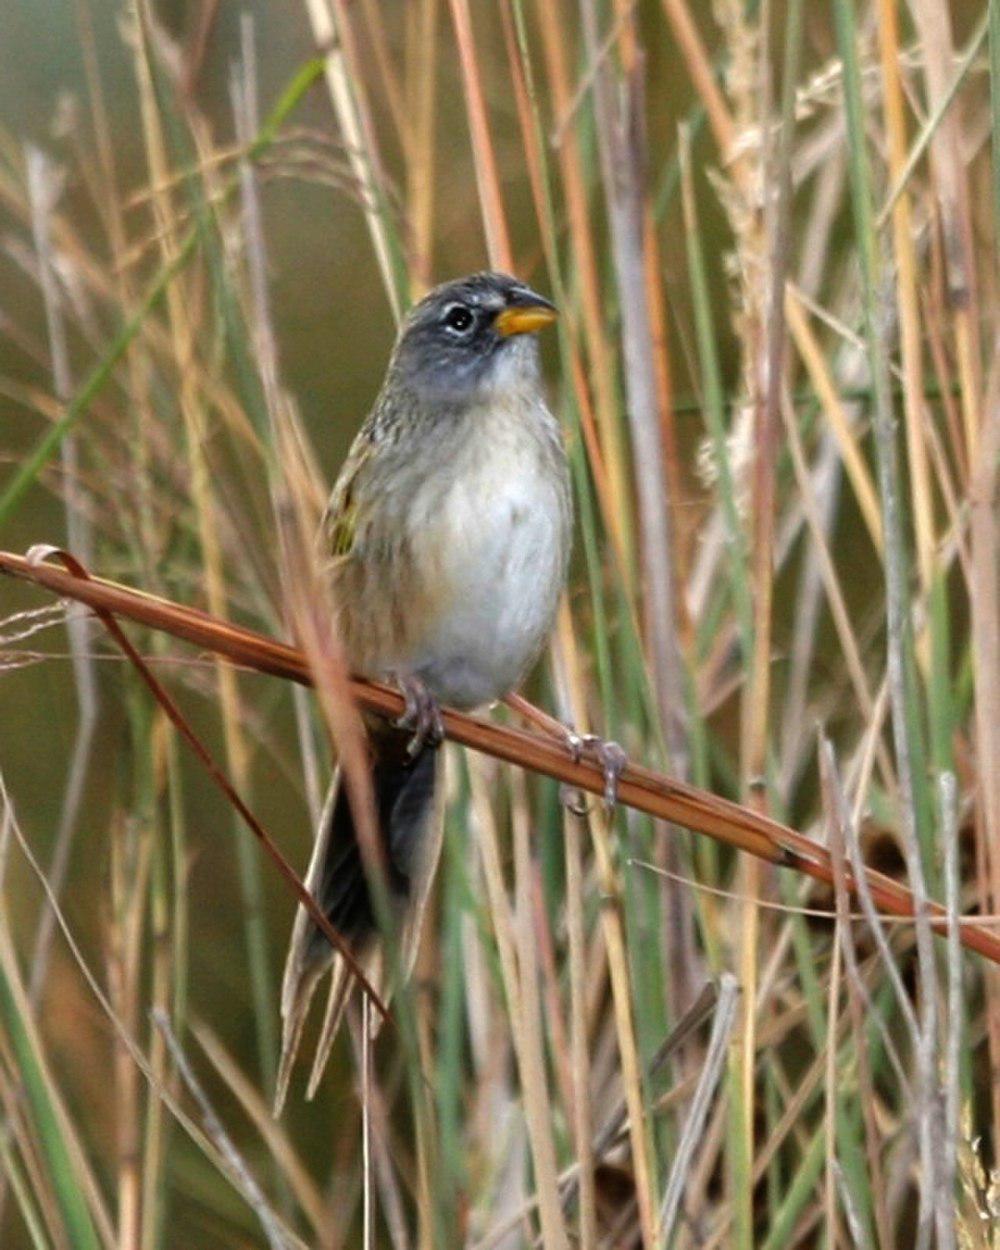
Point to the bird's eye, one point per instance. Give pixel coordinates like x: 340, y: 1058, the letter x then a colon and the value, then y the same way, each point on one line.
x: 458, y: 318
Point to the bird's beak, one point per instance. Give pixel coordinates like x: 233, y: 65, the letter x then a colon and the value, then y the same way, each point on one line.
x: 526, y: 318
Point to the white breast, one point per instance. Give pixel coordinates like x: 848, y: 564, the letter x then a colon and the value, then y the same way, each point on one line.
x: 500, y: 540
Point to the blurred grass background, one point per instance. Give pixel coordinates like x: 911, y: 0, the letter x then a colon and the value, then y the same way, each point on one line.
x: 771, y: 229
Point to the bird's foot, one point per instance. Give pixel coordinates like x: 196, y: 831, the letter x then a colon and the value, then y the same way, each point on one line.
x: 421, y: 714
x: 609, y: 755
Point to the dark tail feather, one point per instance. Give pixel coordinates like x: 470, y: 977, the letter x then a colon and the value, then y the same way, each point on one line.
x: 410, y: 826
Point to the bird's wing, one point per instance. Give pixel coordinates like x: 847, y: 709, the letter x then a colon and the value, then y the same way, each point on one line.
x: 340, y: 521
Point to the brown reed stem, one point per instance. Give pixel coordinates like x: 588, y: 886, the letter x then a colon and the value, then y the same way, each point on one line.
x: 641, y: 788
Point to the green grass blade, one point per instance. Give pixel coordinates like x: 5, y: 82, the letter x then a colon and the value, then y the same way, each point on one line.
x: 14, y: 1010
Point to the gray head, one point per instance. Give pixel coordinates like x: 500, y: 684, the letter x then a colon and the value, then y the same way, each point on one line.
x: 471, y: 336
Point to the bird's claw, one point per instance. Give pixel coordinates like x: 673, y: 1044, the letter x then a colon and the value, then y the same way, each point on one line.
x: 574, y: 744
x: 610, y: 756
x: 421, y: 714
x: 613, y: 762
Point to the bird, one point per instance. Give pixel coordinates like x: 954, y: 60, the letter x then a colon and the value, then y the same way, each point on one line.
x: 446, y: 542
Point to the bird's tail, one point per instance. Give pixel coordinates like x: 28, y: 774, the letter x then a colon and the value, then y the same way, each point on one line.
x: 410, y: 824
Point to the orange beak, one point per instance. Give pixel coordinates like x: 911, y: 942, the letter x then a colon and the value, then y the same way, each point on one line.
x: 525, y: 319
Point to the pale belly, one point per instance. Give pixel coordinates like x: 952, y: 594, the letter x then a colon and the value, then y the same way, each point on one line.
x: 500, y: 553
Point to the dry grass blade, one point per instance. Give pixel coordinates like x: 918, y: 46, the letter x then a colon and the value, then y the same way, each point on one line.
x: 722, y: 1026
x: 487, y: 175
x: 334, y: 41
x: 44, y: 183
x: 303, y: 1186
x: 278, y: 1238
x: 526, y: 1041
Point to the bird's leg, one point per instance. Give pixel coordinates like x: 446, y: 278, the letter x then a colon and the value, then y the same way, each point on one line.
x: 421, y: 714
x: 609, y: 755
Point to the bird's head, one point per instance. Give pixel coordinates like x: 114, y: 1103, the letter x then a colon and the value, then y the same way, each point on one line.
x: 471, y: 336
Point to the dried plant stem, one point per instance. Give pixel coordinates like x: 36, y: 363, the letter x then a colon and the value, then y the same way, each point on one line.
x: 699, y: 67
x: 592, y: 303
x: 130, y: 876
x: 951, y: 1074
x: 602, y: 430
x: 182, y: 331
x: 827, y: 391
x: 342, y: 85
x: 858, y: 999
x: 985, y: 609
x: 830, y: 1205
x: 487, y: 175
x: 43, y: 183
x: 769, y: 384
x: 527, y: 1042
x: 257, y: 1108
x: 422, y: 28
x: 639, y: 787
x: 722, y: 1025
x: 835, y: 597
x: 387, y: 77
x: 619, y: 124
x: 613, y: 931
x: 907, y: 730
x: 906, y: 295
x: 275, y: 1234
x: 583, y: 1128
x: 367, y: 1183
x: 933, y: 23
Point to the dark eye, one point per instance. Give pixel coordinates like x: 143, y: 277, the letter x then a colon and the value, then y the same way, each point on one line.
x: 458, y: 318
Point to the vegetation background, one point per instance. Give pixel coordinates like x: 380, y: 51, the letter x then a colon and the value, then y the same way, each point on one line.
x: 772, y: 231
